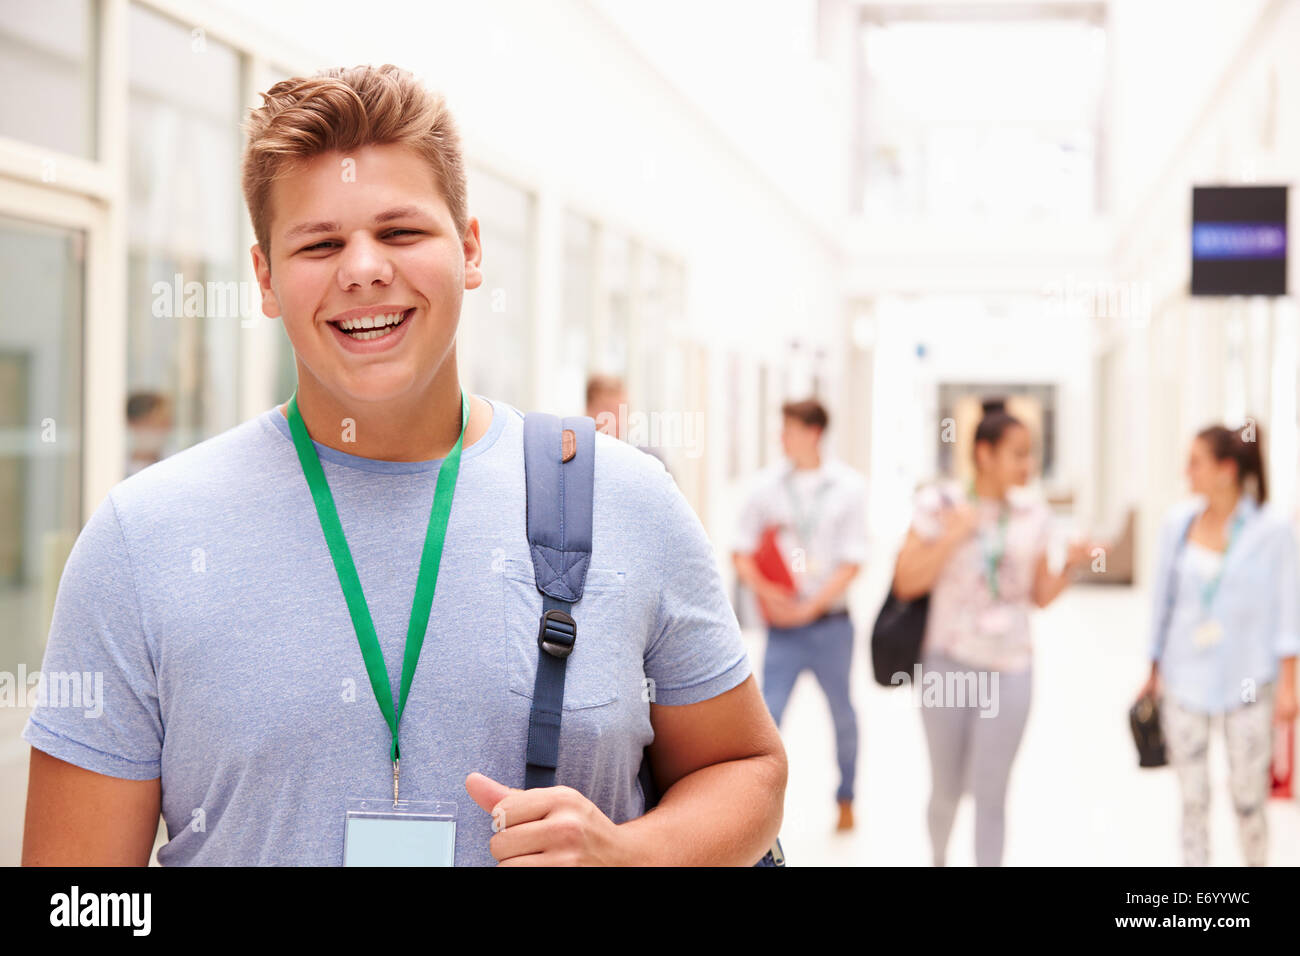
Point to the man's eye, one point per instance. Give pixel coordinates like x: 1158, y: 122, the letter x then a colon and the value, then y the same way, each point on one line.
x: 328, y: 243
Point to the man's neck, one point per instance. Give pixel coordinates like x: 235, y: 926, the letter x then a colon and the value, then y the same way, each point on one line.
x: 423, y: 427
x: 809, y: 462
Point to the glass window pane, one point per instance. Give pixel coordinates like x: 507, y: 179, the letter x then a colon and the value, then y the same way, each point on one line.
x: 578, y: 309
x: 41, y: 270
x: 47, y: 70
x: 652, y: 332
x: 497, y: 318
x: 617, y: 294
x: 184, y: 299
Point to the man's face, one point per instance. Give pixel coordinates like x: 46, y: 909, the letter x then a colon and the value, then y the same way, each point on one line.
x: 362, y: 236
x: 149, y: 434
x: 604, y: 408
x: 797, y: 439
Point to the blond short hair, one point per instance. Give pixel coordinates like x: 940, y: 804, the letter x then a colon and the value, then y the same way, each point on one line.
x: 346, y: 109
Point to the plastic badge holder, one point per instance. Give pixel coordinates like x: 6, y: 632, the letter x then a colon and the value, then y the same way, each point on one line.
x: 406, y: 833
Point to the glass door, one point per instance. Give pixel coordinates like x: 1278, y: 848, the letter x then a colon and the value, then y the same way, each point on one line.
x: 44, y: 243
x: 42, y: 270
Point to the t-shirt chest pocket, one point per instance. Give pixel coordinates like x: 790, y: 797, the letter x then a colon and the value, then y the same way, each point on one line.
x: 592, y: 672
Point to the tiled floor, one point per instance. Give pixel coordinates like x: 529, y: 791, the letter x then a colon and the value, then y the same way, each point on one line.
x: 1076, y: 795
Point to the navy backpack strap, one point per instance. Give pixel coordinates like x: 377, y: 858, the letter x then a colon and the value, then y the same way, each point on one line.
x: 559, y: 469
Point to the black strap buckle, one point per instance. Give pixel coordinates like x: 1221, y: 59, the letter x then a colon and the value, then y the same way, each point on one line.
x: 556, y: 633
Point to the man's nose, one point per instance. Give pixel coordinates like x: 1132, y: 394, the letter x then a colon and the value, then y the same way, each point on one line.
x: 365, y: 261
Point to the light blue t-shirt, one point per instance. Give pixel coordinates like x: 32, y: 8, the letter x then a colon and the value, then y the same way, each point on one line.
x: 203, y: 592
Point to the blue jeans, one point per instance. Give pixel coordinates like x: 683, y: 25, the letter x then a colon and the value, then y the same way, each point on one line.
x: 825, y: 646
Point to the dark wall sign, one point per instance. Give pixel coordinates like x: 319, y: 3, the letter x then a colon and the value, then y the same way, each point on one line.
x: 1239, y: 240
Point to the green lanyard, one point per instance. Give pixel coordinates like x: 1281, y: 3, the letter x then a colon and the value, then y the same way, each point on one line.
x: 993, y: 555
x: 1211, y: 587
x: 425, y: 581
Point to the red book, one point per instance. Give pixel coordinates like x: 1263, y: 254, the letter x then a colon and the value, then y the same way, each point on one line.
x: 1283, y: 758
x: 771, y: 565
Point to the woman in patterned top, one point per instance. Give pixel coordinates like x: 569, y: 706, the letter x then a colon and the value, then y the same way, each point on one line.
x: 982, y: 559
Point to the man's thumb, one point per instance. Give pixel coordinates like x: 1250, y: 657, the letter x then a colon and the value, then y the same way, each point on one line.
x: 485, y: 791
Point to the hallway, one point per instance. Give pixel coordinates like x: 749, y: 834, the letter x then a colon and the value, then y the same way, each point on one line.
x: 1077, y: 796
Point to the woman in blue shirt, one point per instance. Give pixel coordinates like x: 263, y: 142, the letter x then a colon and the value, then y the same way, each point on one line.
x: 1225, y: 633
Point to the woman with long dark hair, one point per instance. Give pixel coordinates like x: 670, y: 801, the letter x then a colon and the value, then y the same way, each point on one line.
x: 1225, y: 633
x: 981, y: 556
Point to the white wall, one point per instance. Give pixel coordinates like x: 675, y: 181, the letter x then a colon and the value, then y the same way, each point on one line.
x: 775, y: 78
x: 556, y: 98
x: 1202, y: 360
x: 1166, y: 58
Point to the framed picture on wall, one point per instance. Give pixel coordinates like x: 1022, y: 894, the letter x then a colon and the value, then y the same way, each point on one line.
x: 1033, y: 404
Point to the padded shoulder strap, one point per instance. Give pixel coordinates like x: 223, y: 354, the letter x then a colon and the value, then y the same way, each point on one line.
x: 559, y: 469
x: 559, y: 501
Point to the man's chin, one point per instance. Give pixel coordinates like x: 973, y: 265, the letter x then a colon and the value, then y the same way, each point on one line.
x: 373, y: 387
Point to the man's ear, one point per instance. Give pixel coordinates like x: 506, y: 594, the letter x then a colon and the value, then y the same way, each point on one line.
x: 473, y: 255
x: 262, y: 268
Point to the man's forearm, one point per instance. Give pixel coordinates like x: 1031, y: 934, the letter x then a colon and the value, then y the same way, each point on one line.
x: 835, y: 587
x: 746, y: 569
x: 750, y: 576
x: 726, y: 814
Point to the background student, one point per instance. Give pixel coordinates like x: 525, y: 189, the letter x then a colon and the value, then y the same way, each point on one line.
x: 980, y: 553
x: 1225, y: 634
x: 817, y: 507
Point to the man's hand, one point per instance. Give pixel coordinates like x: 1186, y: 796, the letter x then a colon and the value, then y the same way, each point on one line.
x: 548, y: 826
x: 789, y: 611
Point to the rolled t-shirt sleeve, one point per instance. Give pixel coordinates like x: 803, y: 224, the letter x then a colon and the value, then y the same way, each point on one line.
x: 97, y: 706
x: 695, y: 651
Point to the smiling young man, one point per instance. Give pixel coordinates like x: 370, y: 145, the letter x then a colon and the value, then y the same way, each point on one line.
x: 210, y: 592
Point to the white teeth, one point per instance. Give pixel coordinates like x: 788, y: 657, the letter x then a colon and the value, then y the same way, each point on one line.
x: 377, y: 333
x: 371, y: 321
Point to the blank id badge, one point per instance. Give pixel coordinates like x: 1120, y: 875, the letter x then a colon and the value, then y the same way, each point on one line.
x: 407, y: 833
